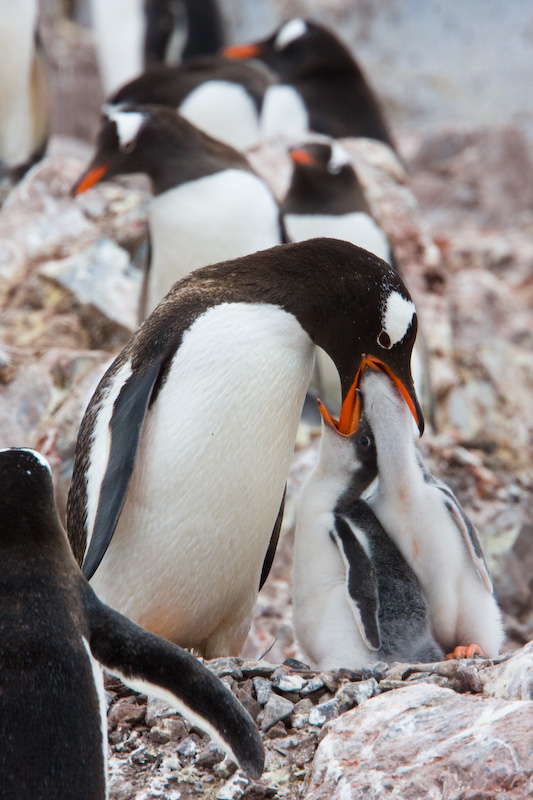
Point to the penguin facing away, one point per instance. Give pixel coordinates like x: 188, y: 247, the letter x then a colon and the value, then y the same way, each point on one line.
x: 177, y: 493
x: 426, y: 522
x: 24, y: 100
x: 355, y: 599
x: 321, y: 87
x: 209, y: 204
x: 55, y: 633
x: 223, y: 98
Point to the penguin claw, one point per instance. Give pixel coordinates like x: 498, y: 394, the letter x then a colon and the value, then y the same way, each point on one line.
x: 466, y: 651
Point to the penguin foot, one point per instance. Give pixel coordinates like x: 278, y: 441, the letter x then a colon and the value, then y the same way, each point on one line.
x: 464, y: 651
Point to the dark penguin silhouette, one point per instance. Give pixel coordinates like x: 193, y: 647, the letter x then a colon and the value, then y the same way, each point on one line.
x: 53, y: 631
x: 196, y: 24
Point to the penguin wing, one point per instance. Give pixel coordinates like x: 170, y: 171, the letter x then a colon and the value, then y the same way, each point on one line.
x: 154, y: 666
x: 470, y: 536
x: 125, y: 429
x: 274, y: 539
x: 361, y: 582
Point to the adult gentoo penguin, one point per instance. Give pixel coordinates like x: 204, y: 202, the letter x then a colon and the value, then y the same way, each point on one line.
x: 223, y: 98
x: 24, y: 101
x: 184, y: 450
x: 209, y: 204
x: 321, y: 87
x: 355, y: 599
x: 425, y: 520
x: 55, y: 632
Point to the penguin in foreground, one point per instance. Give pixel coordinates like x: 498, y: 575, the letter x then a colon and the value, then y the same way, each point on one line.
x: 55, y: 633
x: 424, y: 519
x: 321, y: 87
x: 184, y: 450
x: 24, y: 100
x: 209, y: 204
x: 223, y: 98
x: 355, y: 599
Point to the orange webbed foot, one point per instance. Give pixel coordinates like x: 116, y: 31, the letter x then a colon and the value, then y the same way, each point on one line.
x: 466, y: 651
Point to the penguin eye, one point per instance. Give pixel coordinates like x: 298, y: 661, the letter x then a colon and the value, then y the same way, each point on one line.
x: 384, y: 340
x: 364, y: 442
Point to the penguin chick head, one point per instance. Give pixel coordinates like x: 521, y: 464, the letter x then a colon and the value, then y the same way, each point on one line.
x: 26, y: 495
x: 295, y: 49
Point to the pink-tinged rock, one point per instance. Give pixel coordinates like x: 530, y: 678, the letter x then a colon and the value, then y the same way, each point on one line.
x: 513, y: 679
x: 426, y: 743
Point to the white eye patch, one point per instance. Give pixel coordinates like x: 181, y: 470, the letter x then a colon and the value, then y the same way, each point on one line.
x: 128, y: 124
x: 339, y: 158
x: 398, y: 316
x: 289, y: 32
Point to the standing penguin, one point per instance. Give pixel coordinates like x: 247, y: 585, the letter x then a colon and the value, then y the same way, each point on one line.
x: 355, y: 599
x: 209, y: 204
x: 24, y: 101
x: 425, y: 520
x: 53, y: 631
x: 321, y: 87
x: 184, y: 450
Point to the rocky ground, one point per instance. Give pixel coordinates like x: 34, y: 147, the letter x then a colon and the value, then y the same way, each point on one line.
x: 461, y: 221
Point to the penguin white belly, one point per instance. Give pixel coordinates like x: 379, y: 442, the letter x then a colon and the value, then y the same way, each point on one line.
x: 283, y: 112
x: 323, y: 620
x: 119, y: 30
x: 358, y: 228
x: 225, y: 111
x: 219, y: 217
x: 209, y: 478
x: 17, y: 26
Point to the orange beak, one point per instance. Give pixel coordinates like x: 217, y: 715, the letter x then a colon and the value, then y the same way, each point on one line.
x: 348, y: 421
x: 301, y: 157
x: 241, y: 51
x: 90, y: 179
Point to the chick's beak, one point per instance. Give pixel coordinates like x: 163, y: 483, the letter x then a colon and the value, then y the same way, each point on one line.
x: 348, y: 421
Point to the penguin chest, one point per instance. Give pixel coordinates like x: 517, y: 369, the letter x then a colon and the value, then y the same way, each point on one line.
x: 209, y: 479
x: 215, y: 218
x: 225, y: 111
x: 283, y: 113
x: 358, y: 228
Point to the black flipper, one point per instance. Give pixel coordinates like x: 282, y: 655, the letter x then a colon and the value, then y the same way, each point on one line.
x: 274, y: 539
x: 154, y: 666
x: 361, y: 583
x: 129, y: 412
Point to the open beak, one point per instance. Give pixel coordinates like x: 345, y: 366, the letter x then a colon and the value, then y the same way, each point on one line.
x: 90, y: 178
x: 241, y: 51
x: 348, y: 421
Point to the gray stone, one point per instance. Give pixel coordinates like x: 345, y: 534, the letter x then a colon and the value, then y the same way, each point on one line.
x: 324, y: 713
x: 513, y: 679
x: 188, y: 747
x: 263, y: 690
x: 288, y: 683
x: 276, y: 709
x: 353, y: 694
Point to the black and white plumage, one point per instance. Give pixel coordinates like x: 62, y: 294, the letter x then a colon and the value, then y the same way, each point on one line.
x: 320, y: 88
x: 183, y: 453
x: 355, y: 599
x: 208, y: 205
x: 55, y: 634
x: 24, y: 100
x: 425, y: 520
x: 221, y: 97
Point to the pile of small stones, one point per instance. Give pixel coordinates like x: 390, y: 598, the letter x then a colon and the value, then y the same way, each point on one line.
x: 156, y: 753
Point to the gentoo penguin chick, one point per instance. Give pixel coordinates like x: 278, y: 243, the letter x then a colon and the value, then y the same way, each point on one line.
x: 24, y: 102
x: 208, y: 206
x: 133, y: 35
x: 55, y: 633
x: 223, y: 98
x: 321, y: 87
x: 355, y: 599
x: 425, y: 520
x: 184, y: 450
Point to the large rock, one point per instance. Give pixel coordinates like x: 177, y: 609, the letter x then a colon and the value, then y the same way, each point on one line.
x: 426, y: 742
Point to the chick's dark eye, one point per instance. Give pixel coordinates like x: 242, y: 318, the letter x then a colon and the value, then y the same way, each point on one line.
x: 384, y: 340
x: 364, y: 442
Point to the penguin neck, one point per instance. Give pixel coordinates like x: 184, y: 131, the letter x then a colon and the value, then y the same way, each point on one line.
x: 312, y: 193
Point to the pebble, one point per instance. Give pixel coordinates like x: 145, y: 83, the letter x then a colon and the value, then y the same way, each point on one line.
x: 263, y: 690
x: 188, y: 747
x: 353, y: 694
x: 276, y: 709
x: 324, y: 713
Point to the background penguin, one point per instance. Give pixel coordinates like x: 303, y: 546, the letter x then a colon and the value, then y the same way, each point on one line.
x: 223, y: 98
x: 24, y: 101
x: 321, y: 86
x: 184, y: 449
x: 355, y: 599
x: 209, y: 205
x: 131, y: 35
x: 428, y: 525
x: 54, y: 630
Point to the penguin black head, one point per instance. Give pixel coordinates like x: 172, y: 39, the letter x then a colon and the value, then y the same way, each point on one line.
x: 298, y: 48
x: 158, y: 142
x: 27, y: 507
